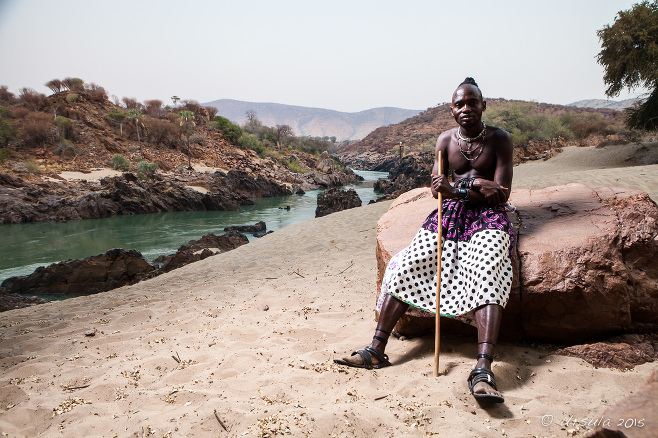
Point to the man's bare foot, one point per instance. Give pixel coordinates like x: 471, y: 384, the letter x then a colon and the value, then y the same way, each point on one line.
x: 368, y: 358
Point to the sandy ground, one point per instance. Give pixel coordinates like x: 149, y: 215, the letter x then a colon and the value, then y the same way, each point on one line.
x: 245, y: 340
x: 94, y: 175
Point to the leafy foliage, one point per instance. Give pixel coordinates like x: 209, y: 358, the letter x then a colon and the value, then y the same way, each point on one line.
x: 119, y: 162
x: 629, y: 55
x: 248, y: 141
x: 526, y: 122
x: 231, y: 131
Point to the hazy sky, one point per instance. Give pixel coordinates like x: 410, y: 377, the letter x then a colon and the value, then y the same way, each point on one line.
x: 343, y: 55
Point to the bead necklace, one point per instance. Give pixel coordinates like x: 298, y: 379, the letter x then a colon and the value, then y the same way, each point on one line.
x: 471, y: 140
x: 470, y: 149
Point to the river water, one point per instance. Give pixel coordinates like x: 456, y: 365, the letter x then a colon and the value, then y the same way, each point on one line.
x: 24, y: 247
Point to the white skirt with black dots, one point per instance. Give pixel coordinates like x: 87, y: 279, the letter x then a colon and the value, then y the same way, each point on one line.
x: 474, y: 273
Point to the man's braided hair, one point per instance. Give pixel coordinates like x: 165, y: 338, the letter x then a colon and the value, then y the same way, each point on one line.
x: 470, y: 81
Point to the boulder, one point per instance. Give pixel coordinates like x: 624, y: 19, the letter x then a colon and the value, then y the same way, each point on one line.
x: 257, y: 227
x: 586, y: 262
x: 90, y: 275
x: 196, y: 250
x: 10, y: 301
x: 333, y: 200
x: 325, y: 163
x: 634, y: 416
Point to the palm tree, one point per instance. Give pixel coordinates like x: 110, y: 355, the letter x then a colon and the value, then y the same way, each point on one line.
x: 188, y: 125
x: 135, y: 114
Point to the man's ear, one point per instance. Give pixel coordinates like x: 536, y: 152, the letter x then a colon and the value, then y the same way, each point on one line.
x: 484, y: 105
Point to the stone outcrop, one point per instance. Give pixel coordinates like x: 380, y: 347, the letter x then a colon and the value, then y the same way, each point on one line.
x: 333, y: 200
x: 256, y: 228
x: 633, y: 416
x: 586, y: 265
x: 10, y: 301
x: 22, y: 201
x: 90, y: 275
x: 411, y: 172
x: 621, y: 352
x: 196, y: 250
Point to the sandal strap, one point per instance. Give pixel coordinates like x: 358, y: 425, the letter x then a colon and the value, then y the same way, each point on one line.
x: 487, y: 342
x: 367, y: 359
x: 481, y: 375
x: 383, y: 358
x: 380, y: 339
x: 383, y: 331
x: 485, y: 356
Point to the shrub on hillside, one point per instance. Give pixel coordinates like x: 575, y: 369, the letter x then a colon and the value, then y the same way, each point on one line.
x: 248, y: 141
x: 231, y: 131
x: 72, y: 97
x: 66, y: 149
x: 162, y: 131
x: 119, y: 162
x: 131, y: 103
x: 6, y: 96
x: 37, y: 129
x: 74, y: 84
x: 5, y: 155
x: 32, y: 167
x: 7, y: 130
x: 96, y: 93
x: 31, y: 99
x: 146, y: 169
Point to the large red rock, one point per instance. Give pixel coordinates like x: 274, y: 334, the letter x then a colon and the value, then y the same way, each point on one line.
x: 634, y: 416
x: 587, y: 260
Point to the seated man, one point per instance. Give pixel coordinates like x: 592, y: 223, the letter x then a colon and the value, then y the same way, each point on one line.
x: 477, y: 235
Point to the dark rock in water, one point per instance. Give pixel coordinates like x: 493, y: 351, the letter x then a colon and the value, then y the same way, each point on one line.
x: 258, y: 235
x: 257, y: 227
x: 196, y: 250
x: 223, y: 243
x: 333, y: 200
x: 185, y: 257
x: 241, y: 183
x: 90, y: 275
x: 299, y: 191
x: 10, y: 301
x: 412, y: 171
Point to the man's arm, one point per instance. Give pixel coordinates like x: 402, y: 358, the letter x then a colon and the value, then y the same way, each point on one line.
x: 440, y: 182
x: 498, y: 190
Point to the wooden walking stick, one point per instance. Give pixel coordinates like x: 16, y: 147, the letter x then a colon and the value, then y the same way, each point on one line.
x: 437, y: 322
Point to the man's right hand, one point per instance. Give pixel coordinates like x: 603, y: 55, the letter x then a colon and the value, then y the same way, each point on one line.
x: 492, y: 192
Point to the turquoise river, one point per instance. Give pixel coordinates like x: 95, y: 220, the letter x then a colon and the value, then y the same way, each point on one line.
x: 24, y: 247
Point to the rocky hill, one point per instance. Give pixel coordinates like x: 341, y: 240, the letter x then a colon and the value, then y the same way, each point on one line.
x: 379, y: 150
x: 314, y: 122
x: 78, y: 129
x: 604, y: 103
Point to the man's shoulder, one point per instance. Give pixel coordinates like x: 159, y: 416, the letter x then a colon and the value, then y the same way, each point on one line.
x: 497, y: 133
x: 447, y: 134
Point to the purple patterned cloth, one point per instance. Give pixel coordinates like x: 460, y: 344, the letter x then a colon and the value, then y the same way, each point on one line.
x: 461, y: 219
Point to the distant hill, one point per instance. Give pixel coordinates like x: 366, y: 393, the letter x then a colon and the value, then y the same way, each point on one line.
x: 316, y: 122
x: 607, y: 104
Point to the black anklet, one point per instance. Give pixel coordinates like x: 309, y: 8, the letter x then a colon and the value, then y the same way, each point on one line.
x: 486, y: 356
x: 380, y: 339
x: 383, y: 331
x: 487, y: 342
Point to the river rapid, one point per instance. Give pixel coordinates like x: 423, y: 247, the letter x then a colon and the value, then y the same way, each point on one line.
x: 25, y: 247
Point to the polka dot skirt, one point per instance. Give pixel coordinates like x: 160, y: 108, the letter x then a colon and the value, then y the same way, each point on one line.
x: 473, y: 273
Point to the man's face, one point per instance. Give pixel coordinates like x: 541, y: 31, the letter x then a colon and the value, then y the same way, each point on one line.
x: 467, y: 106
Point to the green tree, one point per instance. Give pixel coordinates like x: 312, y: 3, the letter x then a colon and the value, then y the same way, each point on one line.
x: 188, y: 126
x: 119, y: 117
x: 629, y: 55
